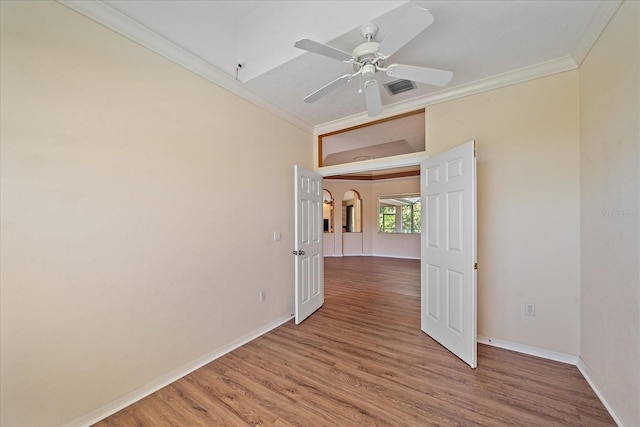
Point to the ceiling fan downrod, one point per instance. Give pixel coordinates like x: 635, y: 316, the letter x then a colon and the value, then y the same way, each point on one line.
x: 369, y: 31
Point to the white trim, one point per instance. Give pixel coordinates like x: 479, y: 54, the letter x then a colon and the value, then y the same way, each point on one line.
x: 599, y: 21
x: 144, y: 391
x: 558, y: 357
x: 402, y: 160
x: 584, y: 370
x: 506, y: 79
x: 394, y: 256
x: 532, y: 351
x: 116, y: 21
x: 111, y: 18
x: 355, y: 181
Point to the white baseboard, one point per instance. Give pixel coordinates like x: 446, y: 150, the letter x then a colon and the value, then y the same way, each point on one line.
x: 380, y: 256
x: 558, y: 357
x: 395, y: 256
x: 165, y: 380
x: 126, y: 400
x: 584, y: 370
x: 532, y: 351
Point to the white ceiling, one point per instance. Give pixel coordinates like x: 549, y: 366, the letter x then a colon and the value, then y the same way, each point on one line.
x: 486, y: 44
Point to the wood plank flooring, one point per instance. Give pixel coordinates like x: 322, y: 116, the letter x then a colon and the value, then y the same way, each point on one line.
x: 362, y: 360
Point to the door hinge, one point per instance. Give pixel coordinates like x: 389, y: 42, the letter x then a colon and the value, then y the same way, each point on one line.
x: 475, y: 266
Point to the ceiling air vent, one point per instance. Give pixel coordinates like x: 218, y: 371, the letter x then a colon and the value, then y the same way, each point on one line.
x: 399, y: 86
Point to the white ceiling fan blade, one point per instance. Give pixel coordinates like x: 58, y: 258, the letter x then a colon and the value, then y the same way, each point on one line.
x: 324, y: 90
x: 415, y: 22
x: 430, y: 76
x: 322, y: 49
x: 372, y: 98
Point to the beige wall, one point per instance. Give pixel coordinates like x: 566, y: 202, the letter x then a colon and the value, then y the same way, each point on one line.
x: 120, y: 259
x: 528, y: 205
x: 118, y: 264
x: 610, y: 203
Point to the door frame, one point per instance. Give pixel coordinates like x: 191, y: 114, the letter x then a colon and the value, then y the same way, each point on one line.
x: 414, y: 159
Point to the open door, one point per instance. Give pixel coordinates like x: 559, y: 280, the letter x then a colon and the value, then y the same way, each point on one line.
x: 309, y: 270
x: 448, y: 254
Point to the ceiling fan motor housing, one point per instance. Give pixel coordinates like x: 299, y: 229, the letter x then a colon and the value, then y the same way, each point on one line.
x: 368, y: 70
x: 367, y: 53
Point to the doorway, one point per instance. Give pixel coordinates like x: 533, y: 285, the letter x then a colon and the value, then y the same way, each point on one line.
x: 448, y: 248
x: 352, y: 230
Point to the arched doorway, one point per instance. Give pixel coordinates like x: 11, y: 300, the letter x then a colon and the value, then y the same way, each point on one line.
x: 352, y: 223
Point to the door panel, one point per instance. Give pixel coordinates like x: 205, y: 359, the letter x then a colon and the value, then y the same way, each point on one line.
x: 309, y: 265
x: 448, y: 191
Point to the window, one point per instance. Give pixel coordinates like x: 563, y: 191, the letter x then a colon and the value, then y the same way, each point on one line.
x: 399, y: 213
x: 387, y: 219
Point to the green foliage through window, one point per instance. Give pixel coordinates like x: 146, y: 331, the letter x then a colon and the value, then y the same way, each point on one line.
x: 387, y: 219
x: 399, y: 213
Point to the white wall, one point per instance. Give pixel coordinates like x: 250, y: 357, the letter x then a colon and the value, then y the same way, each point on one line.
x: 120, y: 262
x: 329, y: 244
x: 610, y: 218
x: 374, y: 243
x: 528, y: 205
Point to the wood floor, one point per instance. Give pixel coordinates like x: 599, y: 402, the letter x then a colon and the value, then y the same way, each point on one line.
x: 362, y: 360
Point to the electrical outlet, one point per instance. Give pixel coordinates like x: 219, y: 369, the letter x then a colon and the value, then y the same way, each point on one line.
x: 530, y: 309
x: 263, y: 295
x: 277, y: 236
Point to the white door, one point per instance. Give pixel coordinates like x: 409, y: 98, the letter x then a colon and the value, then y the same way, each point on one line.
x: 309, y: 269
x: 448, y: 254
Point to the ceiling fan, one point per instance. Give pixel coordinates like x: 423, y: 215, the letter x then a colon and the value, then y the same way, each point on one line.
x: 370, y: 57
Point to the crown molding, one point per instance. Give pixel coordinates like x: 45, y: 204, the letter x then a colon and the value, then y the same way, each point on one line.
x: 598, y: 23
x: 116, y: 21
x: 542, y: 69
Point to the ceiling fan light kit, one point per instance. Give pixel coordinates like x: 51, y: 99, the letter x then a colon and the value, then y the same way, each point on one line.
x: 370, y: 57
